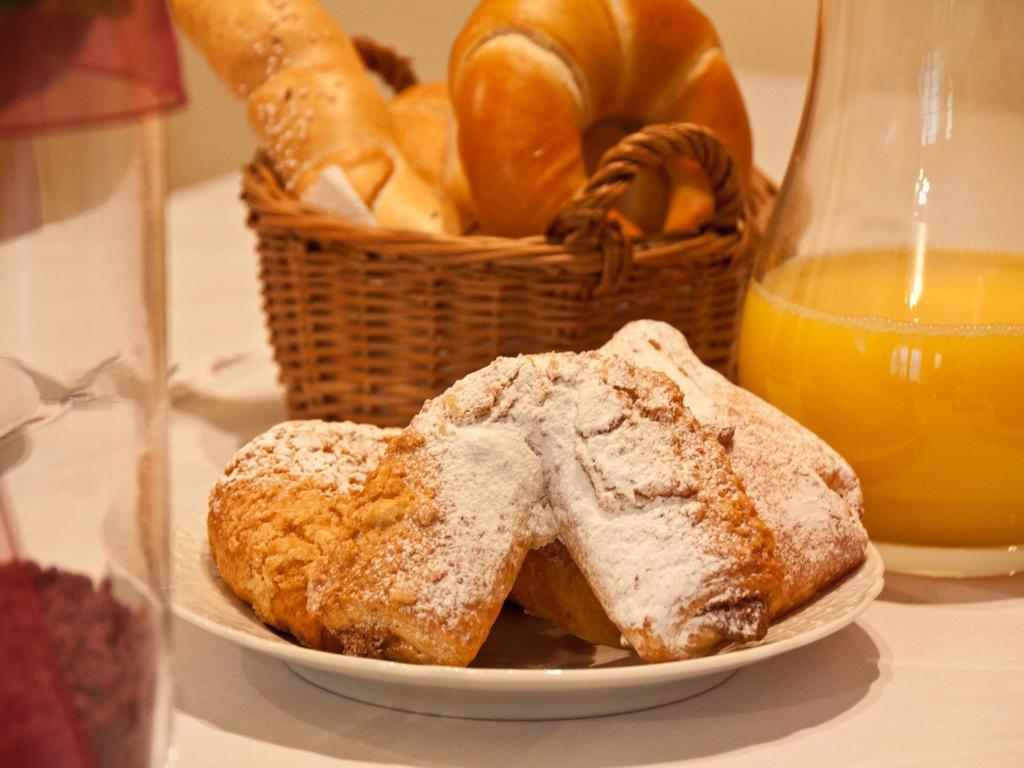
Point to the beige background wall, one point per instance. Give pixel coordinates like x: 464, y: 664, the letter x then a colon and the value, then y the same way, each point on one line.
x: 210, y: 136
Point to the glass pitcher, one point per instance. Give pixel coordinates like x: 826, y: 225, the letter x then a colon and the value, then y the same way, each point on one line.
x: 83, y: 531
x: 886, y: 312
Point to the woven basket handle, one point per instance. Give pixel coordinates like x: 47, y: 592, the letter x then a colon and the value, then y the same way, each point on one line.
x: 586, y: 215
x: 395, y: 69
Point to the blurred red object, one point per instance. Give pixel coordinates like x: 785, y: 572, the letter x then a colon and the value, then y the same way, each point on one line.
x: 77, y: 62
x: 38, y: 723
x: 78, y: 683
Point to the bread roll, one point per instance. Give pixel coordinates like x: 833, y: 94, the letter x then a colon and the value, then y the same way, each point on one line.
x: 311, y: 102
x: 424, y: 129
x: 422, y: 116
x: 528, y: 77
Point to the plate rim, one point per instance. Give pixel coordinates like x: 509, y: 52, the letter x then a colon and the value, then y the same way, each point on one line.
x: 498, y: 679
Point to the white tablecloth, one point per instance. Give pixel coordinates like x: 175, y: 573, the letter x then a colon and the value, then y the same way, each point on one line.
x: 931, y: 675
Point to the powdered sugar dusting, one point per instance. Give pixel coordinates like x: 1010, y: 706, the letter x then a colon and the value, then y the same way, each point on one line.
x: 599, y: 453
x: 629, y: 487
x: 489, y: 486
x: 805, y: 492
x: 629, y: 476
x: 642, y: 353
x: 329, y: 455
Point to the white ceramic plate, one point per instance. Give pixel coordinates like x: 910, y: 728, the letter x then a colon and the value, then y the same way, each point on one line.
x: 19, y: 398
x: 527, y: 670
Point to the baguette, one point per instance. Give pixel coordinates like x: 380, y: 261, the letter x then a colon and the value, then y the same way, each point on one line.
x: 311, y: 103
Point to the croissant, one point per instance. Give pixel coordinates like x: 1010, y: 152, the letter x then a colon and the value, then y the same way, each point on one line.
x: 528, y: 78
x: 425, y: 127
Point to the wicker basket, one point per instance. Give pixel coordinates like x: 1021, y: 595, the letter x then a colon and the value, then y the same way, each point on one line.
x: 368, y: 323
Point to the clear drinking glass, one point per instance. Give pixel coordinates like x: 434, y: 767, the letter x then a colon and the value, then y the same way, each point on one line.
x: 887, y: 307
x: 83, y: 497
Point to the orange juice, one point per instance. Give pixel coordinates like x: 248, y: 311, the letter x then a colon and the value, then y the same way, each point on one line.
x: 913, y: 369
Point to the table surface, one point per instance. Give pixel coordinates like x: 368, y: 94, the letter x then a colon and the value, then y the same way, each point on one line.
x: 931, y: 675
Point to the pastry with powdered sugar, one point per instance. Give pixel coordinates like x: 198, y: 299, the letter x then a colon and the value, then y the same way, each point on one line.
x: 587, y: 448
x: 580, y: 485
x: 805, y: 492
x: 278, y: 505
